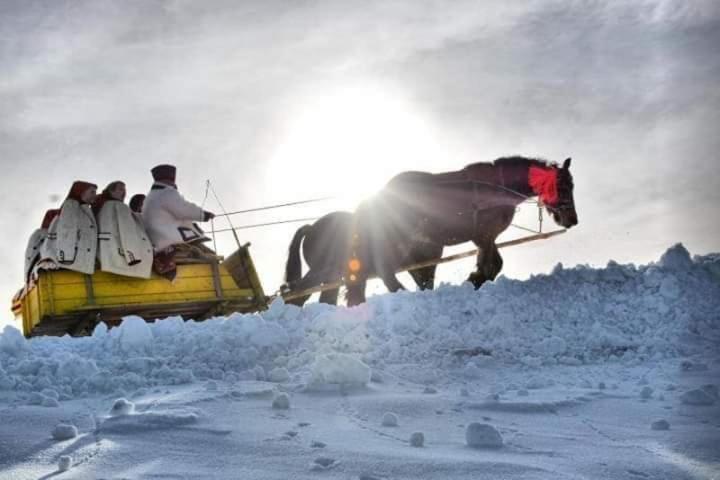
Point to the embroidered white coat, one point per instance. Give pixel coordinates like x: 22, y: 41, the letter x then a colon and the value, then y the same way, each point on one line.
x: 32, y: 252
x: 124, y: 246
x: 169, y: 218
x: 72, y: 238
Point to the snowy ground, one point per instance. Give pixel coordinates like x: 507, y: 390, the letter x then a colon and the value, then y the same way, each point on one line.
x: 574, y: 370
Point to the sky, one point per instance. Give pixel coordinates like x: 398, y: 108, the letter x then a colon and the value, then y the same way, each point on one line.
x: 276, y: 101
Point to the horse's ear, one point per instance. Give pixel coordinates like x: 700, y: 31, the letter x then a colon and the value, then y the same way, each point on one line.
x: 566, y: 163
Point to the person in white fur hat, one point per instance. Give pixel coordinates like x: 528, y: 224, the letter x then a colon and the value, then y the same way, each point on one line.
x: 170, y: 220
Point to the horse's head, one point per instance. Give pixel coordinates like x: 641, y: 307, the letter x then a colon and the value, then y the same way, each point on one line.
x: 563, y: 211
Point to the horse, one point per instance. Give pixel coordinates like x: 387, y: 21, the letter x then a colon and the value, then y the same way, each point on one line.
x: 327, y: 247
x: 417, y: 214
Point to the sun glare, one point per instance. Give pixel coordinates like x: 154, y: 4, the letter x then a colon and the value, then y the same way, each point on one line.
x: 351, y: 141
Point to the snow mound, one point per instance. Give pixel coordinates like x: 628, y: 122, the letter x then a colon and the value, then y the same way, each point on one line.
x: 336, y: 368
x: 150, y: 420
x: 573, y: 316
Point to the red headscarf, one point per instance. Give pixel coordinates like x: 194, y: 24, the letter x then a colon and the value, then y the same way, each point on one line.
x: 543, y: 182
x: 78, y: 188
x: 105, y: 196
x: 49, y: 217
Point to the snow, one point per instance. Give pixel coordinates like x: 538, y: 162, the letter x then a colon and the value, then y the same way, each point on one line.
x: 575, y: 374
x: 341, y: 369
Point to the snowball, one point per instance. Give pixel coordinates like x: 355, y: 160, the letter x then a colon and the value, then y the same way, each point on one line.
x: 389, y: 419
x: 338, y: 368
x: 122, y: 406
x: 64, y: 431
x: 279, y: 375
x: 660, y: 425
x: 646, y: 393
x: 482, y: 435
x: 697, y: 397
x: 281, y: 401
x: 134, y: 334
x: 417, y: 439
x: 64, y: 463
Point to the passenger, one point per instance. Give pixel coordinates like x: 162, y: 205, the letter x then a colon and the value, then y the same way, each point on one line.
x: 124, y: 247
x: 72, y: 236
x: 114, y: 191
x: 32, y: 252
x: 136, y: 203
x: 169, y: 218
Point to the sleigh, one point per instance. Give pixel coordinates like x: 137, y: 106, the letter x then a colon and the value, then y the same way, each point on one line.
x: 62, y: 302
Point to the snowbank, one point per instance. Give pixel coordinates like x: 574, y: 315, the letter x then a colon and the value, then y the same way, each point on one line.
x: 583, y: 315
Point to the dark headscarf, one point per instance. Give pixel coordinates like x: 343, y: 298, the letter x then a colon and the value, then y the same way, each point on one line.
x: 136, y: 203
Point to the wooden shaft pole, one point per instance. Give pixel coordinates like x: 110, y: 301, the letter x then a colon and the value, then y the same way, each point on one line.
x: 470, y: 253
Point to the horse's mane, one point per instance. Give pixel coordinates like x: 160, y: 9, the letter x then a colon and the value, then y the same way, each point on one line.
x: 516, y: 160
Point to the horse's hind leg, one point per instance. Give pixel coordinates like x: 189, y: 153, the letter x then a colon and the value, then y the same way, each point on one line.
x: 330, y: 296
x: 424, y: 277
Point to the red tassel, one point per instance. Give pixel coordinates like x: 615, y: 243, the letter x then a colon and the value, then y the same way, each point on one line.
x: 543, y: 182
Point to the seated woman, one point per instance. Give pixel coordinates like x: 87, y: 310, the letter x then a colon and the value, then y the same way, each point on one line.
x: 124, y: 247
x: 72, y: 236
x: 32, y: 252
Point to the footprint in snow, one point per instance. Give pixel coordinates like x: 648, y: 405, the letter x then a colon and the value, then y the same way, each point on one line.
x: 323, y: 463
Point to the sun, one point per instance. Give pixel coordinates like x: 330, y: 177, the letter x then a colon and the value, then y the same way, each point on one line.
x: 350, y: 141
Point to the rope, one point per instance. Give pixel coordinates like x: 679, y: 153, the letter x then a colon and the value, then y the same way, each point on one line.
x: 279, y: 205
x: 257, y: 225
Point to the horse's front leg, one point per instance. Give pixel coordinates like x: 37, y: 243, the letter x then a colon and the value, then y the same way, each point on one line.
x: 390, y: 280
x: 355, y: 294
x: 489, y: 263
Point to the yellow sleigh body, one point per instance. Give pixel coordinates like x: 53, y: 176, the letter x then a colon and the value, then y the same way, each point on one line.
x: 63, y: 301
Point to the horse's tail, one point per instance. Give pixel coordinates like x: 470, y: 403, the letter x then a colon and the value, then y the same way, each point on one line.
x: 293, y: 267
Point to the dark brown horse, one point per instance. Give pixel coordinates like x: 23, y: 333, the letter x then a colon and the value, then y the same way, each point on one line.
x: 327, y: 247
x: 419, y: 213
